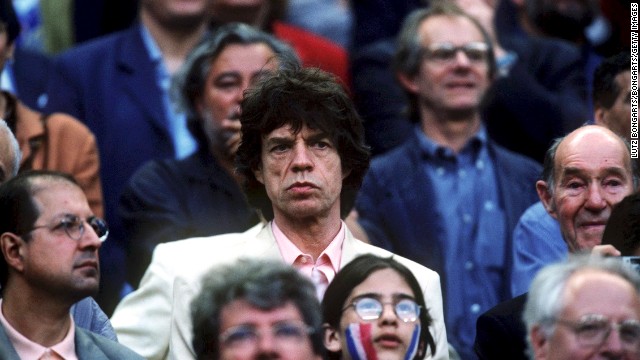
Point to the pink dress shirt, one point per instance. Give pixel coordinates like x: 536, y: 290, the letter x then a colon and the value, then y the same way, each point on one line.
x: 27, y: 349
x: 323, y: 269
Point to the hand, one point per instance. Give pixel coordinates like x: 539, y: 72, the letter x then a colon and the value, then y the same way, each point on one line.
x: 605, y: 250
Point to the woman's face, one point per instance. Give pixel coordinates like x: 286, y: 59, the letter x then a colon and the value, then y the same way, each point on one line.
x: 388, y: 336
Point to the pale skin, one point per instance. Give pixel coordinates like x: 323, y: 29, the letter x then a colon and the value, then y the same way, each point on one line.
x: 617, y: 118
x: 240, y: 312
x: 449, y: 94
x: 302, y: 174
x: 592, y: 174
x: 51, y: 271
x: 391, y: 337
x: 176, y: 26
x: 235, y: 69
x: 588, y: 292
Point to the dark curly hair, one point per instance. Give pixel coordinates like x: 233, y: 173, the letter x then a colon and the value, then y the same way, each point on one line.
x: 301, y: 97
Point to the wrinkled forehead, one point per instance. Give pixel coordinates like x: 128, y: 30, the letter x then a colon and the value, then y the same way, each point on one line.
x: 595, y: 147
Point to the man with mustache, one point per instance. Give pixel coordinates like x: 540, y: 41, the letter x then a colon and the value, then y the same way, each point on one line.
x: 49, y: 239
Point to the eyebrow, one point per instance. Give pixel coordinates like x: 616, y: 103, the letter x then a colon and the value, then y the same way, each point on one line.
x: 615, y: 170
x: 378, y: 296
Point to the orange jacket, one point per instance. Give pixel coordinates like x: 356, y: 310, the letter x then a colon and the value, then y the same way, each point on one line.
x: 62, y: 143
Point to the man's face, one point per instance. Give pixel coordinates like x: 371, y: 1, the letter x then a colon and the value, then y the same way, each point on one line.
x: 592, y: 174
x: 277, y: 333
x: 54, y: 261
x: 235, y: 69
x: 591, y: 294
x: 618, y: 117
x: 176, y: 14
x: 302, y: 174
x: 455, y: 86
x: 390, y: 337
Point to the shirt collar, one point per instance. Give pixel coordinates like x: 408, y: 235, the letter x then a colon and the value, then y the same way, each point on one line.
x: 330, y: 255
x: 431, y: 149
x: 150, y: 44
x: 28, y: 349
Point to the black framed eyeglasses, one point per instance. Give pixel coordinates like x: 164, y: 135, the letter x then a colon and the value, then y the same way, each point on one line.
x: 369, y: 308
x: 73, y: 226
x: 444, y: 53
x: 594, y: 330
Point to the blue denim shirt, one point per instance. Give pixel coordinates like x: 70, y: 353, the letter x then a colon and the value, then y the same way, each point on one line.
x: 183, y: 142
x: 474, y: 243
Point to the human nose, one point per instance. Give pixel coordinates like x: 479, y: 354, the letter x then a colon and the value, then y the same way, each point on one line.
x: 301, y: 158
x: 461, y: 58
x: 266, y: 345
x: 388, y: 314
x: 613, y: 345
x: 595, y: 199
x: 89, y: 237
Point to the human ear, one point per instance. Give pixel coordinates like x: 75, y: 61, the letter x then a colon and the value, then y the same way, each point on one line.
x: 539, y: 343
x: 258, y: 174
x: 331, y: 339
x: 408, y: 83
x: 544, y: 193
x: 12, y: 247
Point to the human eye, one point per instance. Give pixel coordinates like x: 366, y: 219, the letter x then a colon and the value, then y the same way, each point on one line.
x: 476, y: 51
x: 239, y: 335
x: 591, y: 329
x: 279, y: 148
x: 68, y: 223
x: 630, y: 330
x: 226, y: 83
x: 289, y: 330
x: 442, y: 52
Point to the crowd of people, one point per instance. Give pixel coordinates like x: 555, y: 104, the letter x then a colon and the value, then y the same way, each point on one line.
x: 223, y: 179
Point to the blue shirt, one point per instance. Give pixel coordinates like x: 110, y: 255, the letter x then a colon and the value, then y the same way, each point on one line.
x: 184, y: 143
x: 537, y: 241
x: 467, y: 194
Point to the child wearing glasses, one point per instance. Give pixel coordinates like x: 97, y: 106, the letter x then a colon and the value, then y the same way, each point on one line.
x: 374, y: 309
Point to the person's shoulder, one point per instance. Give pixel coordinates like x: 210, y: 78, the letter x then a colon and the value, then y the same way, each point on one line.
x: 61, y: 123
x: 100, y: 45
x: 395, y: 159
x: 86, y: 340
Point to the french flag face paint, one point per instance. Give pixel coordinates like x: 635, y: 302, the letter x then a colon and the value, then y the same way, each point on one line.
x: 412, y: 350
x: 359, y: 341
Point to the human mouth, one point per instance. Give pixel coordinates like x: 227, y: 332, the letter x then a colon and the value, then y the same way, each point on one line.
x: 388, y: 341
x: 301, y: 187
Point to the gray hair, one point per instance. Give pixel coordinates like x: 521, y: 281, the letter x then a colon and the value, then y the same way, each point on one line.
x: 6, y: 132
x: 544, y: 302
x: 549, y: 171
x: 190, y: 81
x: 265, y: 284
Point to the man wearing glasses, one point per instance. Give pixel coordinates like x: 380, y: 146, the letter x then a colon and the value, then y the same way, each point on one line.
x: 585, y: 308
x: 257, y: 309
x: 49, y: 239
x: 449, y: 197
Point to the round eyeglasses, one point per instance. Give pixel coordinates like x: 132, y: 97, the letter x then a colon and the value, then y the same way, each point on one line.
x: 286, y: 334
x: 369, y: 308
x: 73, y: 226
x: 594, y: 330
